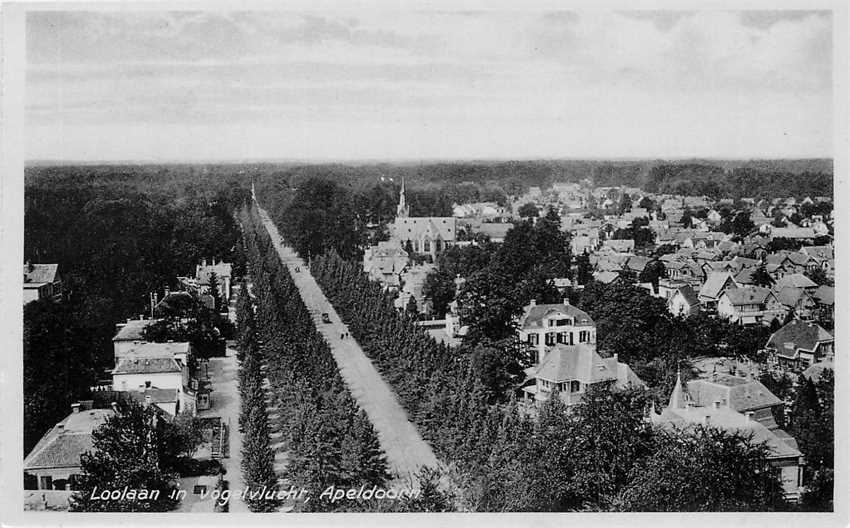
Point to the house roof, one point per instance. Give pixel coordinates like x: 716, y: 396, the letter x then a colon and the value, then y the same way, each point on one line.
x: 160, y: 350
x: 741, y: 394
x: 815, y: 371
x: 825, y: 295
x: 606, y: 277
x: 746, y: 295
x: 146, y: 366
x: 413, y: 228
x: 789, y: 296
x: 40, y: 273
x: 534, y: 314
x: 821, y: 252
x: 620, y: 245
x: 792, y: 232
x: 688, y: 294
x: 795, y: 280
x: 133, y: 330
x: 62, y: 445
x: 575, y: 362
x: 221, y: 270
x: 637, y: 263
x: 715, y: 283
x: 798, y: 335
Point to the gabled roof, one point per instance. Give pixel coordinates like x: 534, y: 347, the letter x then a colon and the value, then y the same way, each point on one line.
x: 795, y: 280
x: 820, y: 252
x: 792, y: 232
x: 745, y: 295
x: 576, y: 362
x: 688, y: 294
x: 715, y: 283
x: 798, y: 335
x: 534, y: 314
x: 40, y: 273
x: 147, y: 366
x: 413, y: 228
x: 157, y: 350
x: 64, y: 443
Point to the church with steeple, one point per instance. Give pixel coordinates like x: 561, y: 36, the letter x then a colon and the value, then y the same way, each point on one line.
x: 427, y: 235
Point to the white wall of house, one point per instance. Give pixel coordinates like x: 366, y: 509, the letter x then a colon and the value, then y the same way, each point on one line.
x: 542, y: 338
x: 160, y: 380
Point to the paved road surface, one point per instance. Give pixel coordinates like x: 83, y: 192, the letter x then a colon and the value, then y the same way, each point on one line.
x: 405, y: 449
x: 224, y: 402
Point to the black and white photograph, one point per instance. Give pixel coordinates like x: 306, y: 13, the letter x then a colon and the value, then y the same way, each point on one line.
x: 423, y: 258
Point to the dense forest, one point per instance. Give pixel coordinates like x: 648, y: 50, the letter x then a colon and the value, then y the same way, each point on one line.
x: 118, y: 234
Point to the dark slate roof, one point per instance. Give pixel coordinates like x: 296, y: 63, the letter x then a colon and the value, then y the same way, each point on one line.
x: 576, y: 362
x: 789, y: 295
x: 533, y: 315
x: 132, y: 330
x: 147, y: 366
x: 40, y: 273
x: 70, y: 438
x: 800, y: 335
x: 741, y: 394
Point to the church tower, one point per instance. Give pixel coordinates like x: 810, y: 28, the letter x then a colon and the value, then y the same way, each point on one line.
x: 403, y: 211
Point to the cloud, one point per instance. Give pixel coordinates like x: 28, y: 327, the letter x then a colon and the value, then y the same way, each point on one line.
x: 625, y: 79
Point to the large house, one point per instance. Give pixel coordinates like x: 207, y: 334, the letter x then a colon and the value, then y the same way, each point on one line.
x: 41, y: 281
x: 572, y: 369
x: 223, y: 272
x: 799, y: 344
x: 385, y: 263
x: 429, y: 235
x: 54, y: 462
x: 546, y: 325
x: 708, y: 408
x: 748, y: 305
x: 715, y: 284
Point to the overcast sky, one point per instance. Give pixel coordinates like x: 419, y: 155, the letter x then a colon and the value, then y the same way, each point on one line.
x: 370, y: 84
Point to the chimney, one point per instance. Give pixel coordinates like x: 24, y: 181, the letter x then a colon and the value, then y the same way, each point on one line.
x: 533, y: 302
x: 616, y: 356
x: 566, y: 301
x: 114, y: 406
x: 716, y: 404
x: 750, y: 416
x: 60, y: 427
x: 707, y: 419
x: 75, y: 407
x: 148, y: 400
x: 204, y: 263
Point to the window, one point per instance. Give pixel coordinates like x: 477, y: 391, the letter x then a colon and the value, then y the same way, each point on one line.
x: 199, y: 489
x: 427, y: 245
x: 583, y: 336
x: 564, y: 322
x: 575, y: 386
x: 550, y: 338
x: 533, y: 339
x: 45, y: 482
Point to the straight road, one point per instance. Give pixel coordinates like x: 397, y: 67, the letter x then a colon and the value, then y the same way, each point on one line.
x: 406, y: 451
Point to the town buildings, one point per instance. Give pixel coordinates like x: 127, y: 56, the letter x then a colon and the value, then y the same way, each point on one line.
x: 41, y: 281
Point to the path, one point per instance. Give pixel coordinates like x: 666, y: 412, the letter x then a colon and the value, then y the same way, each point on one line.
x: 406, y: 451
x: 224, y: 402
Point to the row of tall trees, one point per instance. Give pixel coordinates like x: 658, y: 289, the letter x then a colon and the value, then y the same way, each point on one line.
x: 329, y: 441
x: 594, y: 457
